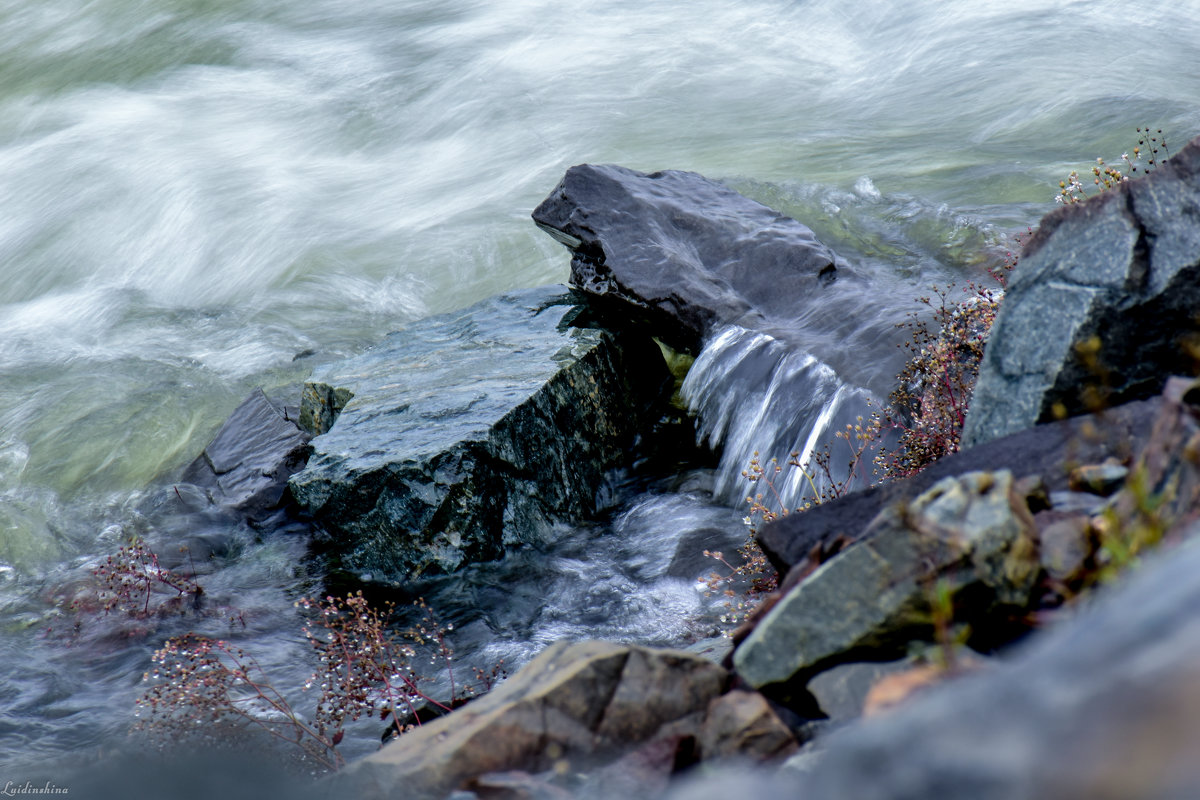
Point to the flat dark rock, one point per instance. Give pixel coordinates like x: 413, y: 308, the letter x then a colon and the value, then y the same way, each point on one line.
x: 1048, y: 450
x: 680, y: 252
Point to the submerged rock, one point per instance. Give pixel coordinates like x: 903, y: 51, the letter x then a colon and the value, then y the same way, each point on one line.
x: 1101, y: 309
x: 572, y: 706
x: 973, y: 535
x: 468, y: 432
x: 686, y: 253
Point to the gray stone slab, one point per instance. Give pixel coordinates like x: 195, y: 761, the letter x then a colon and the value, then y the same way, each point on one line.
x: 870, y: 600
x: 1103, y: 706
x: 682, y: 252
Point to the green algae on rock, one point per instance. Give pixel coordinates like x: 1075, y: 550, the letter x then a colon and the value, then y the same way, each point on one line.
x: 469, y: 432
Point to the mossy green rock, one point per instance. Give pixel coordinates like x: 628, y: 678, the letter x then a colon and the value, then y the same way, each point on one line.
x: 469, y: 432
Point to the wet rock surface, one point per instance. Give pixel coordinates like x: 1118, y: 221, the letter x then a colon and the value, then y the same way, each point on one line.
x: 1102, y: 307
x: 246, y: 466
x: 470, y: 432
x: 441, y: 447
x: 683, y: 252
x: 969, y: 534
x: 578, y: 704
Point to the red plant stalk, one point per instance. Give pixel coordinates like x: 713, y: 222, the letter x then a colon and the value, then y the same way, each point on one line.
x: 954, y: 406
x: 277, y: 701
x: 362, y: 663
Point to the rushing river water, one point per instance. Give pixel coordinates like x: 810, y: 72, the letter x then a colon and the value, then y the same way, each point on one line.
x: 194, y: 192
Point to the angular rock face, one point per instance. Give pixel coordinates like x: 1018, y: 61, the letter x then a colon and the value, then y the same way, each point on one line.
x: 741, y: 726
x: 1105, y: 298
x: 1165, y: 488
x: 470, y: 431
x: 972, y: 532
x: 574, y: 703
x: 687, y: 252
x: 1107, y: 705
x: 247, y: 464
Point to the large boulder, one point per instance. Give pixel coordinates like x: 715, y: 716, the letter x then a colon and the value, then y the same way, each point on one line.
x: 469, y: 432
x: 972, y: 535
x: 684, y: 251
x: 1102, y: 307
x: 572, y: 707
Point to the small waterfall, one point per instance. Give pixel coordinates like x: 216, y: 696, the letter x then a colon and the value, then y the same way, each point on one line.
x: 753, y: 393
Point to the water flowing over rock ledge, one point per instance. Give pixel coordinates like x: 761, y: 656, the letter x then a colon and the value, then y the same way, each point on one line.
x: 471, y: 432
x: 751, y: 392
x: 596, y: 719
x: 753, y: 292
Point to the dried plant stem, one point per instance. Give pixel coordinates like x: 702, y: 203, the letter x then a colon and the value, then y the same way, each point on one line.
x: 364, y: 669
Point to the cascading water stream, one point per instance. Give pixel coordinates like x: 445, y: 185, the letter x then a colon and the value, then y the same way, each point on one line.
x: 753, y: 395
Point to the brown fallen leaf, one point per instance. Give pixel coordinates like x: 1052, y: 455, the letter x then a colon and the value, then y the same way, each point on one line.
x: 892, y: 690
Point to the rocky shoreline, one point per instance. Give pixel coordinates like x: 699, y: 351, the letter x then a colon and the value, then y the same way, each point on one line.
x: 429, y: 453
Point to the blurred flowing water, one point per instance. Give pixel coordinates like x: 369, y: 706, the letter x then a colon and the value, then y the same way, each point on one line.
x: 754, y: 396
x: 197, y: 198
